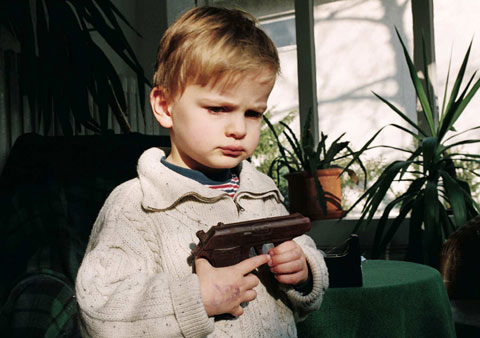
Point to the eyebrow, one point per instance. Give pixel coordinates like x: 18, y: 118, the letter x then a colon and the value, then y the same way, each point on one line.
x: 221, y: 102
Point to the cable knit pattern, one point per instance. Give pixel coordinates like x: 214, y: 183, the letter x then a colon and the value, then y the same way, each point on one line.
x: 137, y: 280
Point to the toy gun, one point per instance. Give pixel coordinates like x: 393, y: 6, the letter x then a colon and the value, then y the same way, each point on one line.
x: 228, y: 244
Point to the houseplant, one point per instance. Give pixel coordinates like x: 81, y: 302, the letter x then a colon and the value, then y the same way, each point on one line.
x: 437, y: 201
x: 62, y: 66
x: 314, y: 187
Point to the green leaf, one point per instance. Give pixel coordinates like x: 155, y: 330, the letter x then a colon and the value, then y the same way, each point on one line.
x: 376, y: 193
x: 307, y: 140
x: 432, y: 240
x: 408, y: 200
x: 318, y: 187
x: 380, y: 240
x: 455, y: 197
x: 111, y: 12
x: 422, y: 97
x: 281, y: 148
x: 407, y: 131
x: 430, y: 96
x: 456, y: 144
x: 396, y: 223
x: 411, y: 159
x: 333, y: 151
x: 447, y: 225
x: 65, y: 62
x: 455, y: 89
x: 294, y: 143
x: 473, y: 208
x: 461, y: 133
x: 452, y: 115
x: 363, y: 149
x: 429, y: 151
x: 402, y: 115
x: 351, y: 173
x: 446, y: 87
x: 415, y: 238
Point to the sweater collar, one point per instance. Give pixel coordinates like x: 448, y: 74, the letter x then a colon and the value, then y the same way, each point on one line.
x: 210, y: 179
x: 163, y: 188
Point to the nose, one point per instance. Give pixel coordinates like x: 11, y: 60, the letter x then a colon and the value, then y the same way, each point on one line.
x: 236, y: 126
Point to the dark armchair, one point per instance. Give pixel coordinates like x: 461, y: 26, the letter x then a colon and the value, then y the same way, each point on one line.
x: 51, y: 190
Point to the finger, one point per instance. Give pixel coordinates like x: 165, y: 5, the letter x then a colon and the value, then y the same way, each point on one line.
x: 291, y: 278
x: 248, y: 265
x: 250, y: 281
x: 289, y: 267
x: 237, y: 312
x: 283, y: 247
x: 249, y: 295
x: 288, y: 256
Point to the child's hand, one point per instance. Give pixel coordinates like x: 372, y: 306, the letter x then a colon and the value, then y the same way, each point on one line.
x: 224, y: 289
x: 288, y: 263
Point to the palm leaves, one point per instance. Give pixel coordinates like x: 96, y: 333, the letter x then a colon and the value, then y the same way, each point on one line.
x: 62, y: 67
x: 435, y: 192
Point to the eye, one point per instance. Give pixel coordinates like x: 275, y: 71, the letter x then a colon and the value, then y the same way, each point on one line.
x: 216, y: 109
x: 253, y: 114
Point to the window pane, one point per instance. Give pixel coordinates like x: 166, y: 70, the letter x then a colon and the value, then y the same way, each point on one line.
x: 456, y: 24
x: 281, y: 31
x: 357, y: 52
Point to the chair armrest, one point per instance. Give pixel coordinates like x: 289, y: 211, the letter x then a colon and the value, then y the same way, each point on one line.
x: 41, y: 304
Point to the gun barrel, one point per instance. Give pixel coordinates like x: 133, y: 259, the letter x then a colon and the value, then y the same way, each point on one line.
x: 287, y: 227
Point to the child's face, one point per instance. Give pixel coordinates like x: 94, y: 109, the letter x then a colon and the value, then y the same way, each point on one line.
x: 216, y: 127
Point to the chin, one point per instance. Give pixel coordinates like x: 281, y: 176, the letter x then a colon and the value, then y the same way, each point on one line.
x: 228, y: 163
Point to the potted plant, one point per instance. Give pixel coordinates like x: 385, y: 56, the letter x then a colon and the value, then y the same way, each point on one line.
x: 437, y: 201
x: 314, y: 187
x: 61, y: 66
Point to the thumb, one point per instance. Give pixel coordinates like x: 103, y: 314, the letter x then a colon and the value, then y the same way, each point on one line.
x: 202, y: 264
x: 248, y: 265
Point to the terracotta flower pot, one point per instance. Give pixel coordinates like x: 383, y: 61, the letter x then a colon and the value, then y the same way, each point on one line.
x: 303, y: 195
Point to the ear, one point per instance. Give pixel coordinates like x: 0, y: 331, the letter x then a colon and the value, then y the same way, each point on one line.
x: 160, y: 107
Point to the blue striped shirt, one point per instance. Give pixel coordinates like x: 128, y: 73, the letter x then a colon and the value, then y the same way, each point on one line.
x: 225, y: 180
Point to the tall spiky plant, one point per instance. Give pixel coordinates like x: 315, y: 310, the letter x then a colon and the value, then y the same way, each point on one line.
x: 434, y: 192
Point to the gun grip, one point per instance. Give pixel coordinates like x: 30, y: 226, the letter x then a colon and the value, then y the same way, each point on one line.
x: 263, y: 249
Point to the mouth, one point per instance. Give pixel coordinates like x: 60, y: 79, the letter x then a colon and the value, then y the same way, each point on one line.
x: 232, y: 151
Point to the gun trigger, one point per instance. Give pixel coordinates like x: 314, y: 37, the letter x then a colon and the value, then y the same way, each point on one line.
x: 258, y: 249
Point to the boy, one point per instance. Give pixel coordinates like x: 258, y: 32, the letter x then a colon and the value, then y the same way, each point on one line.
x: 214, y: 73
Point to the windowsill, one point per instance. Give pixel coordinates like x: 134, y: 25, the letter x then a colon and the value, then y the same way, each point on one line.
x: 331, y: 233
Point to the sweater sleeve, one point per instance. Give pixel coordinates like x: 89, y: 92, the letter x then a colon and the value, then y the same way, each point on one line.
x: 121, y: 294
x: 303, y: 304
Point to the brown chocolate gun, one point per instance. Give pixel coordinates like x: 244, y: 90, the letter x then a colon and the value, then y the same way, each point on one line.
x: 228, y: 244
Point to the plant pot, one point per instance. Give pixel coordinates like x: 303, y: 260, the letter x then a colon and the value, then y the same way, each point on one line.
x: 303, y: 195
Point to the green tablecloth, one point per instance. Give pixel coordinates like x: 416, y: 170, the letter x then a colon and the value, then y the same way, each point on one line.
x: 398, y: 299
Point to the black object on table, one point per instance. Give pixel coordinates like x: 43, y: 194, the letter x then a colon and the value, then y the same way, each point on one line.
x: 345, y: 270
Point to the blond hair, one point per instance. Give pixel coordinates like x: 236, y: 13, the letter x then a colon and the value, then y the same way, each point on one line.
x: 210, y: 44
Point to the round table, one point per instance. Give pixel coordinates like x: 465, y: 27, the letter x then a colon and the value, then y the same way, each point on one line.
x: 397, y: 299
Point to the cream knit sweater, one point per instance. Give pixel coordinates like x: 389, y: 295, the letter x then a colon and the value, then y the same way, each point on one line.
x: 136, y: 277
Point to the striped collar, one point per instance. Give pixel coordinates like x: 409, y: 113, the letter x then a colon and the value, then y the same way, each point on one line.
x: 216, y: 178
x: 225, y: 180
